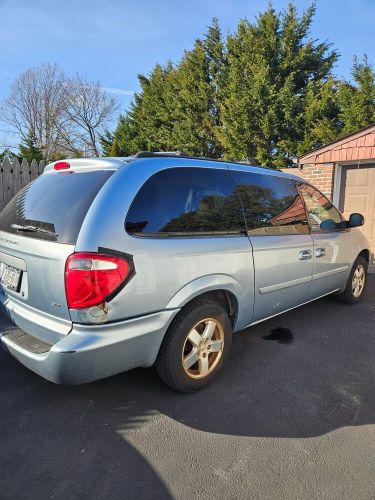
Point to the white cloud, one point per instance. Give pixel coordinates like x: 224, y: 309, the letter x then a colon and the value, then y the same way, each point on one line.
x: 116, y: 91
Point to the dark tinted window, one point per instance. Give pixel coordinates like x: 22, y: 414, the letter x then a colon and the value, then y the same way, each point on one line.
x: 53, y: 206
x: 181, y: 201
x: 272, y: 204
x: 323, y: 216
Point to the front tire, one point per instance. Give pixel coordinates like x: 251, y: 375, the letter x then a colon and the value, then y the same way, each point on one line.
x: 195, y: 346
x: 356, y: 283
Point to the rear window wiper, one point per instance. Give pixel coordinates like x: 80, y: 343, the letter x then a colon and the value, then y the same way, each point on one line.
x: 32, y: 229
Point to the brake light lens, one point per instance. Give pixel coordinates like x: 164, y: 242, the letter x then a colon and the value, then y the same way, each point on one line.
x: 61, y: 165
x: 91, y: 278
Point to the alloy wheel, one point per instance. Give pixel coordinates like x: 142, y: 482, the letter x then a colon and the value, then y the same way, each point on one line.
x: 358, y: 281
x: 203, y: 348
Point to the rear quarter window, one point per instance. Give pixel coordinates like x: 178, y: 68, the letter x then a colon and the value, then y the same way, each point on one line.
x: 53, y: 206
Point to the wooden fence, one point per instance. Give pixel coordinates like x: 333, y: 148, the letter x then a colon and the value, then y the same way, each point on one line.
x: 15, y: 175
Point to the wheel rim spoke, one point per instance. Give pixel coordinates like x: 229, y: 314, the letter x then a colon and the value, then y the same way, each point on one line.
x: 209, y: 330
x: 203, y: 365
x: 191, y: 359
x: 216, y: 346
x: 195, y: 338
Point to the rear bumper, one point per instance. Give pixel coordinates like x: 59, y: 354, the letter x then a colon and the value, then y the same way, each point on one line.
x: 90, y: 352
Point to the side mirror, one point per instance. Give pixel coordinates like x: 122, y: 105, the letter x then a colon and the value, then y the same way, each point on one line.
x: 328, y: 225
x: 356, y: 220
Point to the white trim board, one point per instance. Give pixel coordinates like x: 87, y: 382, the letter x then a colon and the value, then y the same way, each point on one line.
x: 337, y: 184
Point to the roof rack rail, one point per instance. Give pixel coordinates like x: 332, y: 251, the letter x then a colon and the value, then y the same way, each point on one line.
x: 180, y: 154
x: 150, y: 154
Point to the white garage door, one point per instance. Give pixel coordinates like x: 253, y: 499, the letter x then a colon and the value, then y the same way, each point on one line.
x: 358, y: 195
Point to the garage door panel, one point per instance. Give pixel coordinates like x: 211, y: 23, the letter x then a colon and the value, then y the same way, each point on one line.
x: 355, y: 202
x: 360, y: 178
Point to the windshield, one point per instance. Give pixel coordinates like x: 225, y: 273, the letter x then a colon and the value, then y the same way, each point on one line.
x: 53, y: 206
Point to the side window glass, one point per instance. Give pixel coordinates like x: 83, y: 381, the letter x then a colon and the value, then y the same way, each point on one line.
x: 180, y: 201
x: 272, y: 204
x: 323, y: 216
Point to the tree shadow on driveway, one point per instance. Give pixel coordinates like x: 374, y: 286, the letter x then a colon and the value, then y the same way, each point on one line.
x: 70, y: 442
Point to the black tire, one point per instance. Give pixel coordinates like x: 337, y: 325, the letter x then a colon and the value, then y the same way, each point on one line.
x: 175, y: 347
x: 348, y: 296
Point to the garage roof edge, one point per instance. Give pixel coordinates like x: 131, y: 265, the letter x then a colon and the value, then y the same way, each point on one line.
x: 312, y: 156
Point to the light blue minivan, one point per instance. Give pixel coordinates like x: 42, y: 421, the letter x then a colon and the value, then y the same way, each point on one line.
x: 114, y: 263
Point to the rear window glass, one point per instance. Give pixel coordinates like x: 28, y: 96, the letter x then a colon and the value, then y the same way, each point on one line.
x: 53, y: 206
x: 186, y: 201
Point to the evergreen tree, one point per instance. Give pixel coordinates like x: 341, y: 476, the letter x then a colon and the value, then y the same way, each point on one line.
x: 321, y: 123
x: 192, y: 94
x: 148, y: 124
x: 125, y: 138
x: 357, y: 99
x: 176, y: 107
x: 270, y: 64
x: 217, y: 74
x: 106, y: 140
x: 7, y: 153
x: 151, y: 114
x: 29, y: 150
x: 265, y: 95
x: 215, y: 53
x: 192, y: 118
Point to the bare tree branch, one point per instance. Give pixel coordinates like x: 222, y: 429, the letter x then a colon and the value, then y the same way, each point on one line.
x: 65, y: 114
x: 89, y: 107
x: 36, y: 102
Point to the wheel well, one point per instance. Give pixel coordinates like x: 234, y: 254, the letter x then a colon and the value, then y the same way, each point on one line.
x: 224, y: 298
x: 366, y: 255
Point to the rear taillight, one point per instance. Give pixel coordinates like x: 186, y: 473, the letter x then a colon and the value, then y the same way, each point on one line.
x: 92, y: 278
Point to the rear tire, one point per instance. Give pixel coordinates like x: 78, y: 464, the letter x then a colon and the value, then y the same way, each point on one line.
x: 356, y: 283
x: 195, y: 346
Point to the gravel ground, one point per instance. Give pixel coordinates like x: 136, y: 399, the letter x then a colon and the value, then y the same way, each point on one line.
x: 291, y: 416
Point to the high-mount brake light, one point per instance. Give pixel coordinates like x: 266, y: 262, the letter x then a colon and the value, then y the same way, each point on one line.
x: 61, y: 165
x: 92, y: 278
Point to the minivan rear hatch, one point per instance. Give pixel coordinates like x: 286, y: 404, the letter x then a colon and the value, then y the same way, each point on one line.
x: 38, y: 231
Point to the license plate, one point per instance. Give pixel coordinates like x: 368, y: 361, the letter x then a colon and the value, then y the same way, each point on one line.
x: 11, y: 278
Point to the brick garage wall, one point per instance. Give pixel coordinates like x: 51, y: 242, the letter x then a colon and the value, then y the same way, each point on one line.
x: 320, y: 176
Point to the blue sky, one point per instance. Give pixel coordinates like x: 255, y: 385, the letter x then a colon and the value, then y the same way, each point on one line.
x: 114, y: 40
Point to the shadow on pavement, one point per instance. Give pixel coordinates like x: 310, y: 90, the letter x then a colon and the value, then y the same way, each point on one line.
x: 66, y: 442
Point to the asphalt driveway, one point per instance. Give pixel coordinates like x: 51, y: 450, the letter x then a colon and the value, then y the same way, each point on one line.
x: 291, y: 416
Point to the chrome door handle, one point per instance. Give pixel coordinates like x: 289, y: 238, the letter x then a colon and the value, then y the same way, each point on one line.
x: 320, y: 252
x: 305, y: 255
